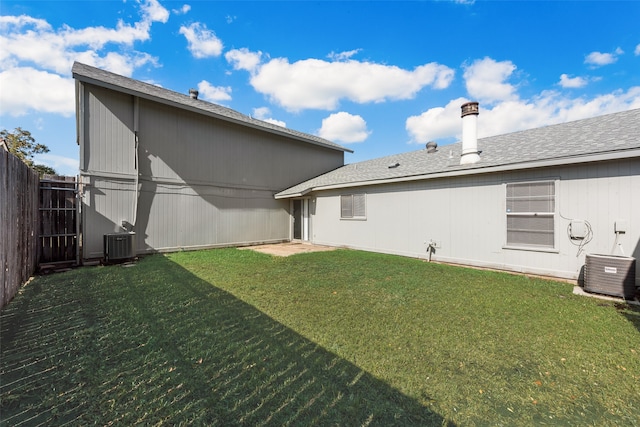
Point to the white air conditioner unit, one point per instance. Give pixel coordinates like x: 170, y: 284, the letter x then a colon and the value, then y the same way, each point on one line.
x: 119, y: 246
x: 610, y: 275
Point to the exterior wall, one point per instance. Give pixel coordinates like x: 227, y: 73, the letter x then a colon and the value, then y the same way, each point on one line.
x: 108, y: 136
x: 466, y: 216
x: 180, y: 145
x: 202, y: 182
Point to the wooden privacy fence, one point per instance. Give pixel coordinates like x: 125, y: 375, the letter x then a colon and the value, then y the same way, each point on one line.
x: 58, y: 234
x: 18, y: 224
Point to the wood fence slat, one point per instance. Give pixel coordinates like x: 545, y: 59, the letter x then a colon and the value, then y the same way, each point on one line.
x: 4, y: 218
x: 37, y: 222
x: 18, y: 224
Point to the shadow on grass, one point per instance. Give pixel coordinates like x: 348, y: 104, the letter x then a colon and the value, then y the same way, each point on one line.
x: 630, y: 312
x: 101, y: 345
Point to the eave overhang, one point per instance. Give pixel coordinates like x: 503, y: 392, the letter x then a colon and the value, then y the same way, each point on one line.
x: 476, y: 170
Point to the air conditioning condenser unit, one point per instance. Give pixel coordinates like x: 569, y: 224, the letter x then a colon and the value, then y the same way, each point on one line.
x: 610, y: 275
x: 119, y: 246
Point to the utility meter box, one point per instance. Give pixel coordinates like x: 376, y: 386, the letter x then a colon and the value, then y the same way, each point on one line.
x: 577, y: 229
x: 620, y: 226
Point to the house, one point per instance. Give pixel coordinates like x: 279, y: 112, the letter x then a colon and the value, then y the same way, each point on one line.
x: 182, y: 173
x: 534, y: 201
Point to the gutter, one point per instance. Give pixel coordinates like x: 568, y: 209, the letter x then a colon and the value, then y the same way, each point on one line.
x: 294, y: 195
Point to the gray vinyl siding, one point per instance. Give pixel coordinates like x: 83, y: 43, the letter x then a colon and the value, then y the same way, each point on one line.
x: 203, y: 182
x: 206, y: 216
x: 109, y: 138
x: 105, y: 203
x: 466, y: 216
x: 177, y: 144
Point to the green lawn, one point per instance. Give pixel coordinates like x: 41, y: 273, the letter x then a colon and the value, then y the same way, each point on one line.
x: 228, y: 337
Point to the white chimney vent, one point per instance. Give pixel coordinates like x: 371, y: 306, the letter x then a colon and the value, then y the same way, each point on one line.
x: 193, y: 93
x: 470, y: 153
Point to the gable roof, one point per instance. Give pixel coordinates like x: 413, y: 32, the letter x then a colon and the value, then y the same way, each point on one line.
x: 98, y: 77
x: 605, y: 137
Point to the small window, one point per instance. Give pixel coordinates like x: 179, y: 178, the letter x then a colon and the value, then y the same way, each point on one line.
x: 531, y: 214
x: 353, y: 206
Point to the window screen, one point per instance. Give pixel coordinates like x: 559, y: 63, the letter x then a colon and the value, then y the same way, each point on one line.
x: 530, y: 214
x: 353, y: 206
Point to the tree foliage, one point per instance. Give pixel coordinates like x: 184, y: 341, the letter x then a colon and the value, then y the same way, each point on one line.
x: 22, y: 144
x: 44, y: 170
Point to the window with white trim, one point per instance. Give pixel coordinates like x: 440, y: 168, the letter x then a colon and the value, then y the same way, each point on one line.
x: 531, y: 214
x: 353, y: 206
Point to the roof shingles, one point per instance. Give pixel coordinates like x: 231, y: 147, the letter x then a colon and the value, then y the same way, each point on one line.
x: 573, y: 140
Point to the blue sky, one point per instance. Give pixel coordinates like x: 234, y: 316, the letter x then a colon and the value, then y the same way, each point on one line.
x: 377, y: 77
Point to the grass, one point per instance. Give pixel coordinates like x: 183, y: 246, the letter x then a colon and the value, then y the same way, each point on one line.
x: 230, y: 337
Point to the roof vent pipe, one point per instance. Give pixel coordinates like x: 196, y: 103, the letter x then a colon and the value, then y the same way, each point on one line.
x: 432, y: 147
x: 193, y: 93
x: 470, y: 153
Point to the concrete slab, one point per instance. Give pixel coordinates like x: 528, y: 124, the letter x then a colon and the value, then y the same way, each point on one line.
x: 290, y: 248
x: 577, y: 290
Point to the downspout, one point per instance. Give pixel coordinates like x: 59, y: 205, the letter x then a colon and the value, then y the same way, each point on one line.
x: 80, y: 140
x: 136, y: 119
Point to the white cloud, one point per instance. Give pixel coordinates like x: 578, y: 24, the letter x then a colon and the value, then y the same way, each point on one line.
x: 263, y: 113
x: 436, y: 123
x: 202, y: 42
x: 97, y: 37
x: 121, y: 64
x: 11, y: 22
x: 598, y: 59
x: 276, y: 122
x: 319, y: 84
x: 344, y: 127
x: 552, y: 107
x: 183, y: 10
x: 243, y: 59
x: 547, y: 108
x: 486, y: 80
x: 507, y: 112
x: 25, y: 89
x: 214, y: 93
x: 341, y: 56
x: 572, y: 82
x: 637, y: 51
x: 65, y: 166
x: 36, y: 59
x: 33, y: 41
x: 153, y: 11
